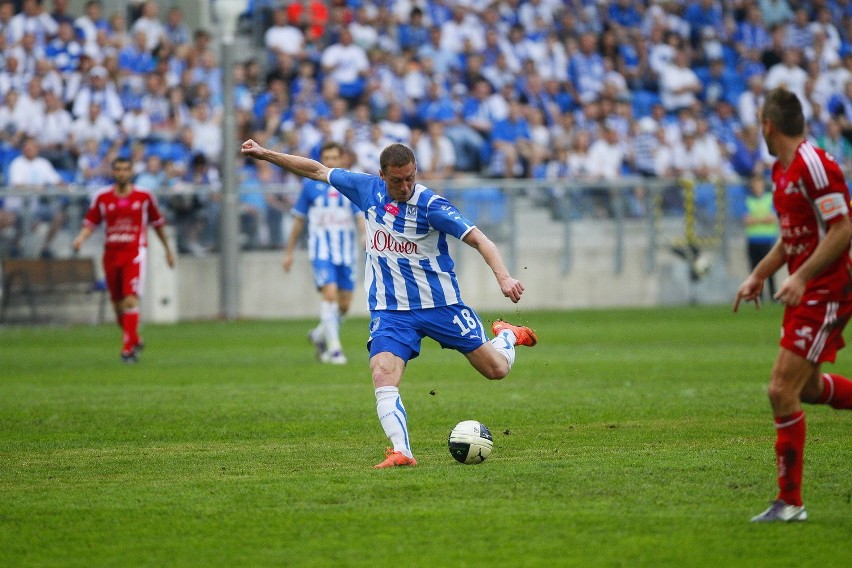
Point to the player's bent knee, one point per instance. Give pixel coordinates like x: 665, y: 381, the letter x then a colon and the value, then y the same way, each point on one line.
x: 495, y: 370
x: 812, y: 393
x: 781, y: 396
x: 490, y: 363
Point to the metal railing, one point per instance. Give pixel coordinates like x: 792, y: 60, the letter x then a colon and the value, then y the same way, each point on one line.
x: 695, y: 214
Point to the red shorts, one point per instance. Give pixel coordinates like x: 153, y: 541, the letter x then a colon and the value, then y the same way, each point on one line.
x: 814, y: 329
x: 124, y: 275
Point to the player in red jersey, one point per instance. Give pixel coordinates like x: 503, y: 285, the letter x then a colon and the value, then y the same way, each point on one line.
x: 126, y: 211
x: 812, y: 201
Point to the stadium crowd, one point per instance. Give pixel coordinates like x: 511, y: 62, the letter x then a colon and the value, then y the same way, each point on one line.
x: 547, y: 89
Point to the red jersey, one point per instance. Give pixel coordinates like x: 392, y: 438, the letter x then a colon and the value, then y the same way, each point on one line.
x: 809, y: 195
x: 126, y: 218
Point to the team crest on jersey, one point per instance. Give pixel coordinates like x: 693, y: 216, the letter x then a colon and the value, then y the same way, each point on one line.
x: 410, y: 211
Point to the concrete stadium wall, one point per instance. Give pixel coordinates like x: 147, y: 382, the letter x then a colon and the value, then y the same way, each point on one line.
x: 267, y: 292
x: 585, y: 278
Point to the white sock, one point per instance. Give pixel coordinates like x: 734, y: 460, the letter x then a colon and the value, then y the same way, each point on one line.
x: 328, y: 321
x: 504, y: 343
x: 393, y: 418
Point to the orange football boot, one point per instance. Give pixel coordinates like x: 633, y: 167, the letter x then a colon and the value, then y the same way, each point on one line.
x: 395, y: 458
x: 523, y: 334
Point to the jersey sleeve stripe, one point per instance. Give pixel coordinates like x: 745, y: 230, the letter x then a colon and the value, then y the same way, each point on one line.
x: 815, y: 166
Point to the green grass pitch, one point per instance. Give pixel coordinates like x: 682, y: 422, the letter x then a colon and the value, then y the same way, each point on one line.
x: 636, y: 437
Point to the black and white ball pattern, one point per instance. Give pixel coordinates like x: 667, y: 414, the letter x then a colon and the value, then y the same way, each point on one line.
x: 470, y: 442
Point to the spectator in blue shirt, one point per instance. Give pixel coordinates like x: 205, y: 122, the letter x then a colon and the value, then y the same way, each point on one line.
x: 587, y: 68
x: 60, y: 12
x: 719, y: 83
x: 624, y: 14
x: 91, y: 22
x: 775, y: 12
x: 437, y: 105
x: 252, y: 206
x: 510, y: 143
x: 176, y: 31
x: 439, y: 11
x: 704, y: 14
x: 724, y: 124
x: 747, y: 158
x: 798, y: 32
x: 276, y: 91
x: 414, y: 33
x: 751, y: 33
x: 153, y: 177
x: 134, y: 61
x: 443, y: 59
x: 533, y: 92
x: 64, y: 49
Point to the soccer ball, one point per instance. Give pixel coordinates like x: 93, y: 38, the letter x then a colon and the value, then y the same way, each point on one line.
x: 470, y: 442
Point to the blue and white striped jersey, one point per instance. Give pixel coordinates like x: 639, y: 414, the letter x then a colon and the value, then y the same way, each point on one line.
x: 331, y: 222
x: 408, y: 259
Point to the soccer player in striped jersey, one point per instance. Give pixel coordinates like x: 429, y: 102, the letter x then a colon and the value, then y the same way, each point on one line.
x: 126, y: 211
x: 811, y: 199
x: 333, y: 228
x: 411, y: 287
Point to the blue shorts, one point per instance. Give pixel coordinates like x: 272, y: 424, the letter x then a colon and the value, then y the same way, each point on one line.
x: 326, y: 272
x: 400, y: 332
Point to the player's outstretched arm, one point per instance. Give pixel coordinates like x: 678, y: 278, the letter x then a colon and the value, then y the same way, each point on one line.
x: 161, y: 234
x: 301, y: 166
x: 295, y: 232
x: 511, y: 288
x: 85, y: 233
x: 752, y: 287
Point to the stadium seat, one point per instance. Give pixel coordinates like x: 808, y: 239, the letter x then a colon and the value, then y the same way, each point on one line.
x: 7, y: 154
x: 68, y: 176
x: 737, y: 194
x: 642, y: 102
x: 484, y: 206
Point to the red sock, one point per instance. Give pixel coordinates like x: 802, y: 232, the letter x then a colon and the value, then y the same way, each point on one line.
x: 119, y: 319
x: 836, y: 391
x: 130, y: 323
x: 790, y: 449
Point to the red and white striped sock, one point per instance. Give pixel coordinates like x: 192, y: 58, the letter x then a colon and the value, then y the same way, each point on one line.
x: 836, y: 391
